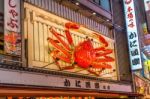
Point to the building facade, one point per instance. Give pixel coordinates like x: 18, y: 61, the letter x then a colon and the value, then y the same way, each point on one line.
x: 65, y: 49
x: 140, y: 75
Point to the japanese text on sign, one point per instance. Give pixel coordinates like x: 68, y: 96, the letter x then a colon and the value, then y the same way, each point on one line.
x: 12, y: 15
x: 133, y: 42
x: 12, y: 35
x: 86, y: 84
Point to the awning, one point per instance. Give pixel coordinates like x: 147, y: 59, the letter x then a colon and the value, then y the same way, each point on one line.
x: 53, y: 92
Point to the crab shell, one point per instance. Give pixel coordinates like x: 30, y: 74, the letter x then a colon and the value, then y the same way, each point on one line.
x: 84, y: 54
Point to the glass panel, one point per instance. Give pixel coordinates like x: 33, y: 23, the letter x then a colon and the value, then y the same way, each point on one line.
x: 105, y: 4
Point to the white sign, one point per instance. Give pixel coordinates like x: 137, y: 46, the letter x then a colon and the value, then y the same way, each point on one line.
x: 12, y: 15
x: 39, y: 79
x: 133, y: 42
x: 12, y: 35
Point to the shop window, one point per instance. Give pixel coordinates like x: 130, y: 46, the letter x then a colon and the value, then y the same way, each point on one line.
x: 105, y: 4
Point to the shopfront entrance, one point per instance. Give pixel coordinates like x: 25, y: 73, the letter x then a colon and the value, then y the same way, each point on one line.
x: 24, y: 93
x: 32, y: 84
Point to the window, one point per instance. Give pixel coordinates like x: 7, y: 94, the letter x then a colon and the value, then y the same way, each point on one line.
x: 105, y: 4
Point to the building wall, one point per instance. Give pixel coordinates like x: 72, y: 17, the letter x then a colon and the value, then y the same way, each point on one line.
x: 141, y: 19
x: 43, y: 25
x: 121, y: 40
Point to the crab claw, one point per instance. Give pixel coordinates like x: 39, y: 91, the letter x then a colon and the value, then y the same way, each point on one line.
x: 102, y: 39
x: 71, y: 25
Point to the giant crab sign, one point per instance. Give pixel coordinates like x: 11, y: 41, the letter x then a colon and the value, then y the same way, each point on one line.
x: 84, y: 55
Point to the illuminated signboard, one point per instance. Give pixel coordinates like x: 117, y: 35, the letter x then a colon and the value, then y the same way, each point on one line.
x: 133, y: 42
x: 147, y: 10
x: 65, y: 46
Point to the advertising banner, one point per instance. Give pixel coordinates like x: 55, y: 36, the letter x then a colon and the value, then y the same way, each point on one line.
x: 147, y: 10
x: 58, y: 44
x: 12, y: 37
x: 132, y: 34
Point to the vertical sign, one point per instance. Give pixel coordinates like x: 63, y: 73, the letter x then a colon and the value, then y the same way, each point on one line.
x: 12, y: 37
x: 133, y: 42
x: 147, y: 8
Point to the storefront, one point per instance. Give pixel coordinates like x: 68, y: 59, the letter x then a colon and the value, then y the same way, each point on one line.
x: 64, y: 53
x: 35, y: 84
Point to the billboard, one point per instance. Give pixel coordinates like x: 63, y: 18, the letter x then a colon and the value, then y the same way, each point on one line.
x: 80, y: 55
x: 147, y: 10
x: 132, y: 34
x: 60, y: 45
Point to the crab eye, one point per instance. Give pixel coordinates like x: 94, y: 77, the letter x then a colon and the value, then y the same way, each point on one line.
x: 86, y: 37
x: 91, y: 39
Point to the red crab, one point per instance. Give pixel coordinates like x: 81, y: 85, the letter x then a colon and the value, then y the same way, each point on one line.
x: 84, y: 55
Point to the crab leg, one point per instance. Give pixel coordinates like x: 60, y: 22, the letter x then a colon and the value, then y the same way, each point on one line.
x: 68, y: 26
x: 57, y: 63
x: 71, y: 25
x: 101, y: 65
x: 109, y: 58
x: 102, y: 39
x: 106, y: 51
x: 64, y: 44
x: 69, y: 38
x: 105, y: 59
x: 68, y: 67
x: 56, y: 55
x: 99, y: 49
x: 93, y: 72
x: 58, y: 47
